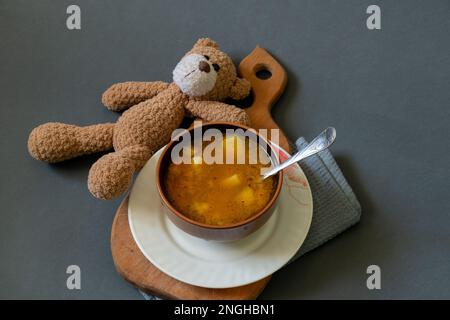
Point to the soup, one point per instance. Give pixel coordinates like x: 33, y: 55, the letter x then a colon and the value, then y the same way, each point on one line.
x: 220, y: 194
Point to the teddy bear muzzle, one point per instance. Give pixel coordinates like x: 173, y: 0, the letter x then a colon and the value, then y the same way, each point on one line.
x: 195, y: 75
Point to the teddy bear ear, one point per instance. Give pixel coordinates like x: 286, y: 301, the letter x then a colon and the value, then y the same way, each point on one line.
x: 240, y: 89
x: 206, y: 42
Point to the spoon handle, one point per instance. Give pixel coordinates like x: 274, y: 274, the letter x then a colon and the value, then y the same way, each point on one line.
x: 321, y: 142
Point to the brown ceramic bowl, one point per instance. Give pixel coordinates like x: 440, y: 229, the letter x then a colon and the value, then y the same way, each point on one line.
x: 212, y: 232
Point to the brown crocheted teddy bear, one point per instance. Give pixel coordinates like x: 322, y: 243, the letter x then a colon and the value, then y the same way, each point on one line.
x: 204, y: 77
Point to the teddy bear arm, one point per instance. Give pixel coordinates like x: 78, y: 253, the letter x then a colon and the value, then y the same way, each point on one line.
x: 121, y: 96
x: 217, y: 111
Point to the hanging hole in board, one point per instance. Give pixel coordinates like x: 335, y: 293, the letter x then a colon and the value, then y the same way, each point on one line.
x: 263, y: 73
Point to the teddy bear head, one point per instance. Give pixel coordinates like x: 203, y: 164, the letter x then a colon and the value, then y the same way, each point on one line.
x: 207, y: 73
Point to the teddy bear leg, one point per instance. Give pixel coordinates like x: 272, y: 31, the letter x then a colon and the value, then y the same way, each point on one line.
x: 111, y: 175
x: 54, y: 142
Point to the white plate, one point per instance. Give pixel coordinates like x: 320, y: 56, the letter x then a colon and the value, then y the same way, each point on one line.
x: 220, y: 264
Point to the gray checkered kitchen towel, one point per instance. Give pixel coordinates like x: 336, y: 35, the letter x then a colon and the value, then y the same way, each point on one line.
x: 335, y: 205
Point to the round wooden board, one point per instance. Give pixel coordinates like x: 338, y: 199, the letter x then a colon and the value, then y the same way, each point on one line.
x: 130, y: 262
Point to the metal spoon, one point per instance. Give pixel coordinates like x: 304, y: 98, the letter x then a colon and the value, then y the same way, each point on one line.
x: 321, y: 142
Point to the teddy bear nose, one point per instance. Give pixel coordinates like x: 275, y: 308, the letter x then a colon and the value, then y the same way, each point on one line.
x: 204, y: 66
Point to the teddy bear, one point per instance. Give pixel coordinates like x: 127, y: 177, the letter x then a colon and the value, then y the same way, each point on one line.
x: 202, y: 80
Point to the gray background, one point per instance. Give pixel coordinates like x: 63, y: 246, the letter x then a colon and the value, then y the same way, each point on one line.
x: 386, y: 92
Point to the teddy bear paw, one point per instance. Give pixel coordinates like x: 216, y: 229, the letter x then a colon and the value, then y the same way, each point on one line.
x: 110, y: 176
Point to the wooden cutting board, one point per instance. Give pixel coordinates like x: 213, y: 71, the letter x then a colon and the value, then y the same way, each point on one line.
x: 130, y: 262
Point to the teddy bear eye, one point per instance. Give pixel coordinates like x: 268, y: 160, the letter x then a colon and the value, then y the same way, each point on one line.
x: 206, y: 57
x: 216, y: 67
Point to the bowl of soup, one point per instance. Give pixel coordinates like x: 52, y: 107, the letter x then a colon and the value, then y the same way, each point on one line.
x: 210, y: 182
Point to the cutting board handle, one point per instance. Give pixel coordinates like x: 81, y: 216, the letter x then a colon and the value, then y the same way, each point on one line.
x: 266, y: 90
